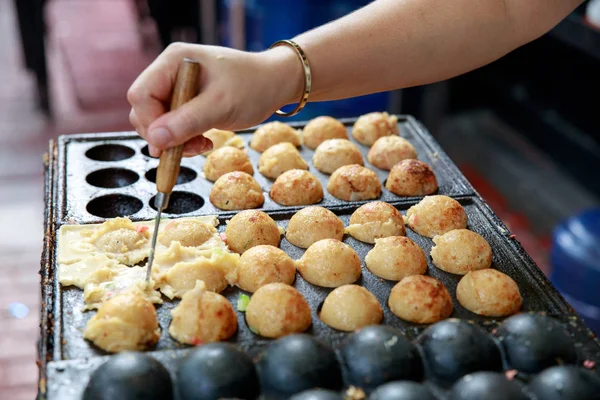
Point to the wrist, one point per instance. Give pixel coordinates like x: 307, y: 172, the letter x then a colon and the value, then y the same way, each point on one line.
x: 286, y: 75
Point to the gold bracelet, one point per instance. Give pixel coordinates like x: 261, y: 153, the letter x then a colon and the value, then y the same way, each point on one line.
x: 307, y: 77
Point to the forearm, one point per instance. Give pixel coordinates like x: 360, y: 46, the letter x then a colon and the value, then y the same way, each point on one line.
x: 393, y: 44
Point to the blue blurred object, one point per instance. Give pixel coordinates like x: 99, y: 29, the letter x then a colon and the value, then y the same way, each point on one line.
x: 18, y: 310
x: 575, y: 260
x: 270, y: 20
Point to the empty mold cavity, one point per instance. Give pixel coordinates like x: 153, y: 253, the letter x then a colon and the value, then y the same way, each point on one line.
x: 114, y: 205
x: 181, y: 203
x: 185, y: 175
x: 112, y: 178
x: 146, y: 152
x: 110, y: 152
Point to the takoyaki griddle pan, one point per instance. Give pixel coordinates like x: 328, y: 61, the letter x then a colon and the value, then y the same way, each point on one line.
x: 111, y: 174
x: 67, y: 360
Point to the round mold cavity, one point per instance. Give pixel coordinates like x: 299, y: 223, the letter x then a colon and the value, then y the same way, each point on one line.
x: 114, y: 205
x: 110, y: 152
x: 112, y: 178
x: 146, y: 152
x: 181, y: 203
x: 185, y: 175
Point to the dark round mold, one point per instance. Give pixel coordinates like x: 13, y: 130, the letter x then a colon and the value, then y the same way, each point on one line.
x: 217, y: 371
x: 130, y: 375
x: 565, y: 382
x: 112, y: 178
x: 453, y: 348
x: 185, y: 175
x: 181, y: 203
x: 110, y: 152
x: 487, y: 385
x: 296, y: 363
x: 533, y: 342
x: 402, y: 390
x: 378, y: 354
x: 146, y: 152
x: 114, y: 205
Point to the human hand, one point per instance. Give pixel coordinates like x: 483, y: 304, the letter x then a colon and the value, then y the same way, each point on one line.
x: 237, y: 90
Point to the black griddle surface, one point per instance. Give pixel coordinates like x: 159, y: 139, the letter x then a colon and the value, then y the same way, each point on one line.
x: 119, y: 160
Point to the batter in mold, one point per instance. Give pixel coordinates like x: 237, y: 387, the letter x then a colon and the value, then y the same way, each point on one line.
x: 489, y: 292
x: 262, y: 265
x: 372, y: 126
x: 126, y: 322
x: 312, y: 224
x: 420, y: 299
x: 354, y: 183
x: 388, y: 151
x: 322, y: 128
x: 202, y: 316
x: 272, y: 133
x: 101, y: 258
x: 224, y: 160
x: 296, y: 187
x: 436, y: 215
x: 280, y: 158
x: 396, y: 257
x: 276, y: 310
x: 375, y: 220
x: 411, y: 178
x: 329, y: 263
x: 236, y: 191
x: 351, y: 307
x: 126, y: 241
x: 174, y: 278
x: 221, y: 138
x: 332, y: 154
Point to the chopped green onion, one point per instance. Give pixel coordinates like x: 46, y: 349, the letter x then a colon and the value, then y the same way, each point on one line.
x: 242, y: 302
x: 253, y: 330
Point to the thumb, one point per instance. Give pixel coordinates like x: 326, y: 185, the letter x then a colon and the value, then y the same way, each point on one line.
x: 188, y: 121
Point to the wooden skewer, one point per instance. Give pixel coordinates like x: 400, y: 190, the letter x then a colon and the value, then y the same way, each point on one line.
x: 186, y: 88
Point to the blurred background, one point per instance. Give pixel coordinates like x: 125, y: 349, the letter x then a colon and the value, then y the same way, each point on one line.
x: 530, y: 121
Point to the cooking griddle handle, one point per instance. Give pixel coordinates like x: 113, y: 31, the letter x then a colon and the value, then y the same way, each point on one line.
x: 186, y: 88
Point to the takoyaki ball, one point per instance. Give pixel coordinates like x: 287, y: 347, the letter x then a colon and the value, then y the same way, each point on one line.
x: 224, y: 160
x: 251, y: 228
x: 329, y: 263
x: 202, y: 317
x: 460, y: 251
x: 351, y: 307
x: 221, y: 138
x: 125, y: 322
x: 312, y: 224
x: 388, y: 151
x: 354, y: 183
x: 189, y: 233
x: 372, y: 126
x: 420, y: 299
x: 280, y: 158
x: 376, y: 220
x: 411, y: 178
x: 276, y: 310
x: 272, y: 133
x: 436, y: 215
x: 489, y: 292
x: 396, y: 257
x: 236, y: 191
x: 322, y: 128
x: 335, y: 153
x: 262, y: 265
x: 296, y: 187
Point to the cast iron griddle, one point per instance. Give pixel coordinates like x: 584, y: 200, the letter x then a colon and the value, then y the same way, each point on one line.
x: 78, y: 164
